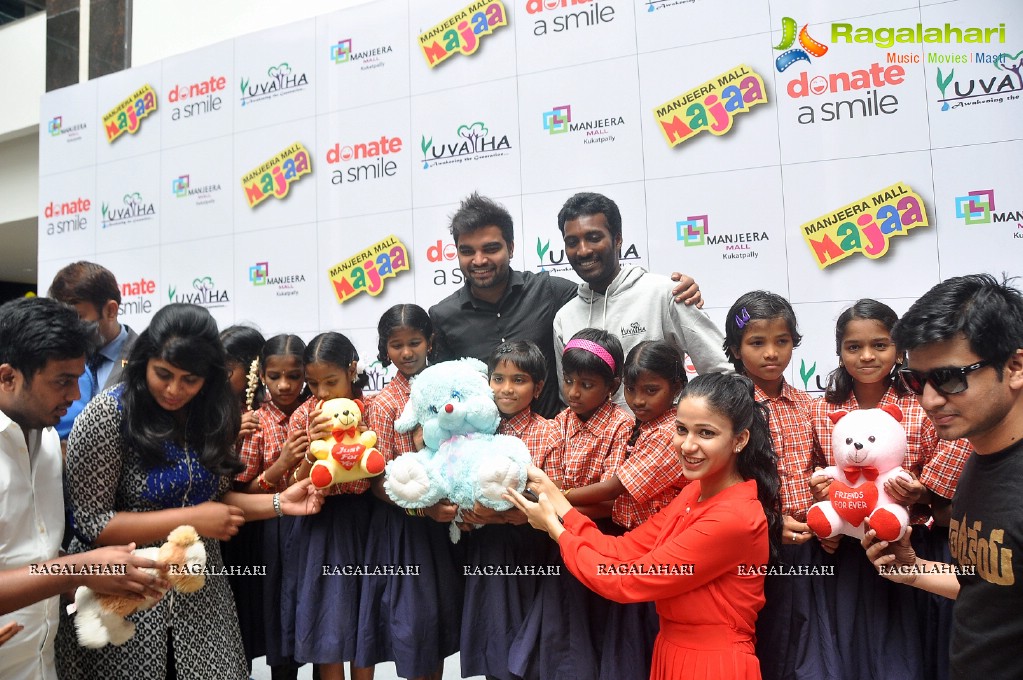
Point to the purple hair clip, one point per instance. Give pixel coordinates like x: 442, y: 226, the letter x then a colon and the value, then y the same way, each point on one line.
x: 742, y: 318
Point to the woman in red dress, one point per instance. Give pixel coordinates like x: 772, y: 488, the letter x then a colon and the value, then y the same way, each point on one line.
x: 703, y: 558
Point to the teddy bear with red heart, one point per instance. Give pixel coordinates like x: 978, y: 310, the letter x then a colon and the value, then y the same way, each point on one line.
x: 869, y: 446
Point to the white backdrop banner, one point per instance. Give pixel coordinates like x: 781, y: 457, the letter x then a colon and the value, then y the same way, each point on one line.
x: 301, y: 179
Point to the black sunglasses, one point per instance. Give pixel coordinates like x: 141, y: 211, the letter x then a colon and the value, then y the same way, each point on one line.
x: 946, y: 380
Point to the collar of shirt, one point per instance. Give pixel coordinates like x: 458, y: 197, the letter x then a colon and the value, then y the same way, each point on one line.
x: 788, y: 393
x: 599, y: 421
x: 468, y: 301
x: 274, y: 413
x: 666, y: 419
x: 517, y: 424
x: 112, y: 350
x: 402, y: 383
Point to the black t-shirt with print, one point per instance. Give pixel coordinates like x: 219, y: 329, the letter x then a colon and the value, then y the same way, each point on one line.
x: 986, y: 534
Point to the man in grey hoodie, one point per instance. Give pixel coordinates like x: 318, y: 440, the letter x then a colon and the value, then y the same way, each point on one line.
x: 630, y: 302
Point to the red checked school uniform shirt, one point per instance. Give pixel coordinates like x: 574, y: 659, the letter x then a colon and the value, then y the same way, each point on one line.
x: 262, y: 448
x: 792, y: 437
x: 385, y: 409
x: 651, y: 473
x: 590, y: 451
x: 539, y: 436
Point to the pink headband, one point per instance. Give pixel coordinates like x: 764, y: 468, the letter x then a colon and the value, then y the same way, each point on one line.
x: 592, y: 348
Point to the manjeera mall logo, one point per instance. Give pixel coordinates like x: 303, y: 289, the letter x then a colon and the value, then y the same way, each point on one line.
x: 978, y: 207
x: 558, y: 121
x: 342, y: 52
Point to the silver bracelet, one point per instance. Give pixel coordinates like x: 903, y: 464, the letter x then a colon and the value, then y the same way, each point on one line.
x: 277, y: 504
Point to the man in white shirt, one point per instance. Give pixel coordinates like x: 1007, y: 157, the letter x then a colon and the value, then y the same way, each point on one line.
x: 42, y: 356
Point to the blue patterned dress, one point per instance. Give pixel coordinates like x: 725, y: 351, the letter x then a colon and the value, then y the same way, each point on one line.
x: 199, y: 629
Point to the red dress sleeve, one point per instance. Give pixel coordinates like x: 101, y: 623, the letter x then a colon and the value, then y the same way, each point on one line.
x: 637, y: 567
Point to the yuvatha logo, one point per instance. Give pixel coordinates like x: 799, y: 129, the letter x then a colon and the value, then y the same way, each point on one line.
x: 204, y: 293
x: 692, y: 231
x: 975, y: 91
x: 477, y: 143
x: 807, y: 46
x: 557, y: 119
x: 135, y: 210
x: 976, y: 206
x: 282, y: 80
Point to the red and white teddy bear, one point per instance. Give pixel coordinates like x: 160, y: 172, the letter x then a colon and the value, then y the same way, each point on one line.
x: 869, y: 446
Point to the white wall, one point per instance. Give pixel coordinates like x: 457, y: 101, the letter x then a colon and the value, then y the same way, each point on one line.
x: 22, y: 44
x: 162, y: 29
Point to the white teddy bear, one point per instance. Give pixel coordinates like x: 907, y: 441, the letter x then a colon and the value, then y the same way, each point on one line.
x: 464, y: 461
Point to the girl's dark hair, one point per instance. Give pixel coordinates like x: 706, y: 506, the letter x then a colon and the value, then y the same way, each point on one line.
x: 242, y: 344
x: 282, y: 345
x: 659, y: 357
x: 334, y: 348
x: 575, y: 359
x: 186, y: 336
x: 731, y: 395
x: 756, y: 305
x: 840, y: 383
x: 402, y: 316
x: 522, y: 353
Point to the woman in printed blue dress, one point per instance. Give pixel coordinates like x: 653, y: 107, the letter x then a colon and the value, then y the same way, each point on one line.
x: 146, y: 456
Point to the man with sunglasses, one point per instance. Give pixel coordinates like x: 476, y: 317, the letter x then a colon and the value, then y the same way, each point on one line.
x: 964, y: 340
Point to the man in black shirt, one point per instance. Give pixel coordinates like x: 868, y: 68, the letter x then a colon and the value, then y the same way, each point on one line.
x: 497, y: 303
x: 964, y: 340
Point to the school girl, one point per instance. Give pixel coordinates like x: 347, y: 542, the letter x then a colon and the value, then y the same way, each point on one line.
x: 564, y: 631
x: 878, y: 627
x: 242, y: 345
x: 648, y: 479
x: 325, y: 612
x: 517, y: 370
x: 794, y: 635
x: 410, y: 620
x: 268, y: 455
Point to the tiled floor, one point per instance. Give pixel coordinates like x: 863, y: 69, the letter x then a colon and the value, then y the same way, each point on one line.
x: 385, y: 671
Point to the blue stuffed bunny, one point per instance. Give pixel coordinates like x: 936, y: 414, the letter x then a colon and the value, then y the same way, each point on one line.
x: 464, y: 461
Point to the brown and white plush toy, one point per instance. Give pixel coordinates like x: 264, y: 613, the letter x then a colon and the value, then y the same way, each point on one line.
x: 100, y: 618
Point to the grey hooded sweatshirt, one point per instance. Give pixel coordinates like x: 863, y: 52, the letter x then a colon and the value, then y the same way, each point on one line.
x: 639, y: 306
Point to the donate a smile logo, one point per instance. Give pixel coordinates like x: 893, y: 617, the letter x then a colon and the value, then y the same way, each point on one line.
x: 807, y: 45
x: 976, y: 206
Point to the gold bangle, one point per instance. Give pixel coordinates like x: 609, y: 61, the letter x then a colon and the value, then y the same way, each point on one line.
x: 566, y: 492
